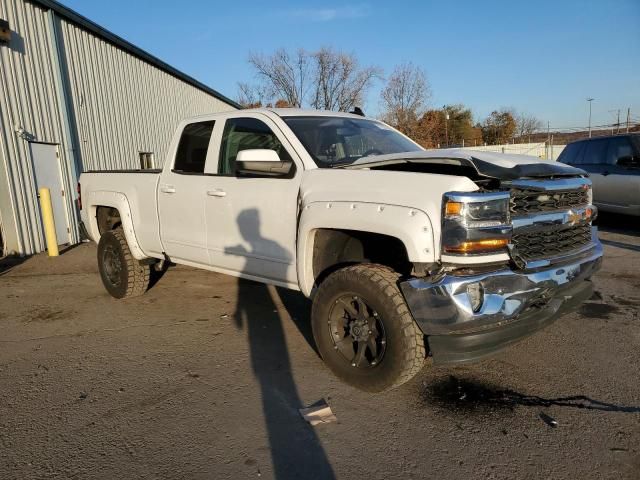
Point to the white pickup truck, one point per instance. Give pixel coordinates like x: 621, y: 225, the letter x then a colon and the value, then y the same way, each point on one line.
x: 406, y: 253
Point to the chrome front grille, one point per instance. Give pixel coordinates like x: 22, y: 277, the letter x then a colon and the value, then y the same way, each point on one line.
x: 527, y: 202
x: 551, y: 219
x: 551, y: 242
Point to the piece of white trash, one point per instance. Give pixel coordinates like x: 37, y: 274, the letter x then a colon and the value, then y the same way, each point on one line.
x: 318, y: 414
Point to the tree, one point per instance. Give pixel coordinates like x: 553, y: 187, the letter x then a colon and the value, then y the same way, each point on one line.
x: 526, y: 125
x: 324, y: 79
x: 340, y: 84
x: 498, y: 127
x: 283, y: 75
x: 434, y: 129
x: 430, y: 130
x: 404, y: 98
x: 282, y: 104
x: 250, y: 96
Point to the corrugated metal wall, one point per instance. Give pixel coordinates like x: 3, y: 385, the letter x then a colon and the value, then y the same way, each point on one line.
x: 120, y: 106
x: 28, y: 99
x: 124, y: 105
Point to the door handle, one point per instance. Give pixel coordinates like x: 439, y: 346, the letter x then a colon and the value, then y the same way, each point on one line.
x: 216, y: 193
x: 167, y: 189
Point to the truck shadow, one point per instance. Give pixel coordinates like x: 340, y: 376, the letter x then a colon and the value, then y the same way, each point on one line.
x: 472, y: 396
x: 296, y: 451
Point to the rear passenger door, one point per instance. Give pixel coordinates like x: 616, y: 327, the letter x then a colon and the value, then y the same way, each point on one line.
x: 181, y: 197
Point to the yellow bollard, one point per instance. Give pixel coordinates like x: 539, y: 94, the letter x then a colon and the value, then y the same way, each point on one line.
x: 48, y: 221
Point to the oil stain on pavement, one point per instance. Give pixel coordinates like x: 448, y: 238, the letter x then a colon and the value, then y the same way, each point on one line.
x: 470, y: 396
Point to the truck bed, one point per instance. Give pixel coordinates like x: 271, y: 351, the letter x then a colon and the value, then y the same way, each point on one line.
x: 131, y: 190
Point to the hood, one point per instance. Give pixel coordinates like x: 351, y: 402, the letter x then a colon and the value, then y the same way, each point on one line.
x: 485, y: 164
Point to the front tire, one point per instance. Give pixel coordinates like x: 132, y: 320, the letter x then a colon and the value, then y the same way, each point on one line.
x: 122, y: 275
x: 363, y: 328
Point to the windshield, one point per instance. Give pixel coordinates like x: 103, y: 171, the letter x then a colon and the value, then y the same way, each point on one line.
x: 335, y: 141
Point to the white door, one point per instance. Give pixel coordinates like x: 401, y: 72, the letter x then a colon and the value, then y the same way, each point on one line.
x: 181, y: 194
x: 46, y: 169
x: 251, y: 221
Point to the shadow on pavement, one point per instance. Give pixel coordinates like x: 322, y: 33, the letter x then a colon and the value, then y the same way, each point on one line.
x: 617, y: 223
x: 468, y: 395
x: 9, y: 263
x: 296, y: 451
x: 299, y: 309
x: 626, y: 246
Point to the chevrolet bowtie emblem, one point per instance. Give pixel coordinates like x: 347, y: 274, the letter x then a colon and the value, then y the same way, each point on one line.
x: 575, y: 218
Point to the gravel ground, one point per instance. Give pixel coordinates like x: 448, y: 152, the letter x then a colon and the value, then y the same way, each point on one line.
x: 203, y: 376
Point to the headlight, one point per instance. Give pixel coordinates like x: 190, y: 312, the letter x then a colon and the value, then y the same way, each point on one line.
x: 479, y: 213
x: 475, y: 223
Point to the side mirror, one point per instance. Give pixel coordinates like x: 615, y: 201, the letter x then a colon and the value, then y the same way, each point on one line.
x: 629, y: 161
x: 261, y: 162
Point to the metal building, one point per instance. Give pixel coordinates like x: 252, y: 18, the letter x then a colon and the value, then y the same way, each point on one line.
x: 75, y: 97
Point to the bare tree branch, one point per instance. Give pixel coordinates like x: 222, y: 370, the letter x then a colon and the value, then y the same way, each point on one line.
x: 251, y: 96
x: 283, y: 75
x: 325, y: 79
x: 526, y: 125
x: 405, y: 97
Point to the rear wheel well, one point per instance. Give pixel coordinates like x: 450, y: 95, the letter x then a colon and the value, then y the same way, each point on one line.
x: 337, y: 248
x: 108, y: 218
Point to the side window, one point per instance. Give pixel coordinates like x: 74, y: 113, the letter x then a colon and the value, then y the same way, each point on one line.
x: 246, y: 134
x: 595, y: 152
x: 619, y: 147
x: 572, y: 153
x: 192, y: 149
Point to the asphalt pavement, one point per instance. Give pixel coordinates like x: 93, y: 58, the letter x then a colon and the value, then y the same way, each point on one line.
x: 203, y: 377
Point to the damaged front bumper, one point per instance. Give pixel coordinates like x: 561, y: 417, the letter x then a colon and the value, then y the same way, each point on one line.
x: 509, y: 305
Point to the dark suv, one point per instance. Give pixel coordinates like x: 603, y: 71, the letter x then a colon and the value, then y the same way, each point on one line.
x: 613, y: 163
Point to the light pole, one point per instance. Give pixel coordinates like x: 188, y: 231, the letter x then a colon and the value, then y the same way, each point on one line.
x: 590, y: 100
x: 446, y: 126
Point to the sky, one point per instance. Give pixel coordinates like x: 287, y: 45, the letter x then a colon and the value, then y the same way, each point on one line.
x: 543, y: 57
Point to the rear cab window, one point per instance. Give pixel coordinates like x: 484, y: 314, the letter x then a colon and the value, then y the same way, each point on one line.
x: 191, y: 154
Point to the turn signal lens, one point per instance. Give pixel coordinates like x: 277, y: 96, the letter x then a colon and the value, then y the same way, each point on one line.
x: 479, y: 246
x: 588, y: 213
x: 453, y: 208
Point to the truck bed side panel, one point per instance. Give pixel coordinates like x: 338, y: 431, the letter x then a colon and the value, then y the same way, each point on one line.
x: 138, y: 192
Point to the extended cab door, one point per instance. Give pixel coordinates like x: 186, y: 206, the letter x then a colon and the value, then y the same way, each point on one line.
x: 181, y: 197
x: 251, y: 219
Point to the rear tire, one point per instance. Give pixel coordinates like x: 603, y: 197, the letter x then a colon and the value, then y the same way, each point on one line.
x: 122, y: 275
x: 363, y: 328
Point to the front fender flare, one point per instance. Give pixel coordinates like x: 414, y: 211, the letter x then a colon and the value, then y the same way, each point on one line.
x: 410, y: 225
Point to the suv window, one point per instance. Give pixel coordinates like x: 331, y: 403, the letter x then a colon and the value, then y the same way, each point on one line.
x: 246, y: 134
x: 595, y: 152
x: 572, y: 153
x: 619, y: 147
x: 192, y: 149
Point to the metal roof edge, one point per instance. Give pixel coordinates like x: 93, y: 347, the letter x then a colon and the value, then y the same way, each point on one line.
x: 120, y: 42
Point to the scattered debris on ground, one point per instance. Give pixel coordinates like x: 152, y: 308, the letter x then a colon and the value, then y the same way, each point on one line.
x: 318, y: 413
